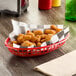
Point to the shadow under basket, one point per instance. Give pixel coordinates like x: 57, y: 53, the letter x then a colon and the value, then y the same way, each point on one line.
x: 29, y: 52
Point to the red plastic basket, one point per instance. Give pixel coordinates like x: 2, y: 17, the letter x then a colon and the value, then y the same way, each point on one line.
x: 28, y: 52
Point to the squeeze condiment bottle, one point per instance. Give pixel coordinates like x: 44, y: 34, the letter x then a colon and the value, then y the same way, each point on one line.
x: 45, y: 4
x: 56, y: 3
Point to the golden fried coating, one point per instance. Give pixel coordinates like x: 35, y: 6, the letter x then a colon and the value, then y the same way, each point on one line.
x: 14, y: 42
x: 38, y: 38
x: 43, y: 40
x: 53, y: 27
x: 21, y: 35
x: 27, y: 37
x: 34, y: 44
x: 46, y: 38
x: 49, y: 31
x: 43, y: 36
x: 50, y: 35
x: 30, y: 33
x: 38, y: 44
x: 33, y: 39
x: 58, y: 30
x: 20, y: 38
x: 26, y: 43
x: 37, y: 32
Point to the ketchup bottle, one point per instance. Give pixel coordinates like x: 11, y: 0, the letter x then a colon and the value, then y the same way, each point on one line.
x: 23, y: 3
x: 45, y: 4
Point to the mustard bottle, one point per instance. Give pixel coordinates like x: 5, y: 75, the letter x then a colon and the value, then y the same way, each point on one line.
x: 56, y: 3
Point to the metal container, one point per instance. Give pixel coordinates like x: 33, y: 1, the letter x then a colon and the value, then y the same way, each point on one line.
x: 13, y: 7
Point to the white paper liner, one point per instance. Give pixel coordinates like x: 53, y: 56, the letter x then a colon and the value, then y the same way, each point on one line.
x: 20, y: 27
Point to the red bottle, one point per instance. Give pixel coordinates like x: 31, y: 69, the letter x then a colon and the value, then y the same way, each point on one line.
x: 45, y: 4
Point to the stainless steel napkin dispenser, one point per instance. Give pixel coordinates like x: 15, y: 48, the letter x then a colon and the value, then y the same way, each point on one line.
x: 13, y: 7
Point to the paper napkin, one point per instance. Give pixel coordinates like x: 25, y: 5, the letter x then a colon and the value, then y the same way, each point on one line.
x: 62, y: 66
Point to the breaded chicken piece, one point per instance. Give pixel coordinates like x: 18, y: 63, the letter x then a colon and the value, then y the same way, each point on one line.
x: 20, y: 38
x: 26, y: 44
x: 37, y: 32
x: 50, y: 35
x: 43, y: 40
x: 38, y: 38
x: 55, y: 28
x: 47, y: 38
x: 58, y: 30
x: 38, y: 44
x: 14, y: 42
x: 33, y: 39
x: 49, y: 31
x: 30, y: 33
x: 43, y: 36
x: 27, y: 37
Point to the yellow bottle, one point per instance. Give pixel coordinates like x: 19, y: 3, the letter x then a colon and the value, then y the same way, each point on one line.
x: 56, y: 3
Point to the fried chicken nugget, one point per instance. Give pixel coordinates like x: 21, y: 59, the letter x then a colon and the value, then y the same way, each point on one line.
x: 27, y: 37
x: 43, y: 40
x: 49, y: 31
x: 47, y: 38
x: 37, y: 32
x: 14, y: 42
x: 33, y: 39
x: 26, y: 43
x: 20, y: 38
x: 55, y: 28
x: 58, y: 30
x: 43, y: 36
x: 38, y: 38
x: 30, y: 33
x: 38, y: 44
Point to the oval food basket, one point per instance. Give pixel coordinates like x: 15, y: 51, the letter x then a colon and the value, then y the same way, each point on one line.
x: 29, y: 52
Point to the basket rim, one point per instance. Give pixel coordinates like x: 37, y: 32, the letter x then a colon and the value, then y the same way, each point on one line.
x: 7, y: 40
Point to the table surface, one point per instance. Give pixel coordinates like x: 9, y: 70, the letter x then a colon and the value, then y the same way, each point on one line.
x: 17, y: 66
